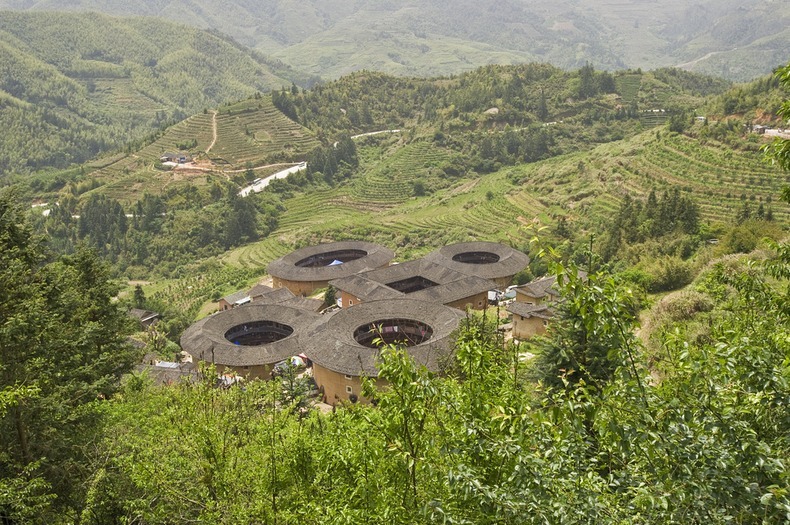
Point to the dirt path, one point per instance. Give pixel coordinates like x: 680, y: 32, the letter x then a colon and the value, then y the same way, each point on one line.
x: 692, y: 63
x: 213, y: 131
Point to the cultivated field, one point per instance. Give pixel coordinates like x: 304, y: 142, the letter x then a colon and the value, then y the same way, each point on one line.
x: 586, y: 188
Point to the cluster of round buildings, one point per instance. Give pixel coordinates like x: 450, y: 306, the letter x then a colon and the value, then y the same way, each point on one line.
x: 417, y: 304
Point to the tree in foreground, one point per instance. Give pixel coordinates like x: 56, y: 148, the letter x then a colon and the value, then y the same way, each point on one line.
x: 62, y: 345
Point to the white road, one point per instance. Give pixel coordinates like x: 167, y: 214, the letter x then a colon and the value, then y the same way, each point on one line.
x: 258, y: 186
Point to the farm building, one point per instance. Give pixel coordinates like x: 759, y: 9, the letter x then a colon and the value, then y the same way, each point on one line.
x: 309, y: 269
x: 145, y: 317
x: 539, y: 291
x: 489, y: 260
x: 529, y: 320
x: 164, y: 373
x: 344, y: 347
x: 233, y: 300
x: 177, y: 158
x: 533, y: 308
x: 419, y: 280
x: 248, y: 340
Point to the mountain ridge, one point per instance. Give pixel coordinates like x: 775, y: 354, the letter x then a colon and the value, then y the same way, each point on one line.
x: 413, y: 36
x: 72, y: 86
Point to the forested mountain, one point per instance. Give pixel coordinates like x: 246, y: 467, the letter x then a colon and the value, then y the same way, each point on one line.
x: 73, y: 85
x: 736, y: 39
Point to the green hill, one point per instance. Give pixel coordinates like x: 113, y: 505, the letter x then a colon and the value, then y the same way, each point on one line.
x: 586, y: 188
x: 249, y: 134
x: 73, y: 85
x: 736, y: 39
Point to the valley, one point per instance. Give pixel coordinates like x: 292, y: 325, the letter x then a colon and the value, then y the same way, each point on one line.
x: 450, y: 282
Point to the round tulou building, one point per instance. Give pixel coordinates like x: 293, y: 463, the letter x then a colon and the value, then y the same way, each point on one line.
x: 416, y: 304
x: 250, y: 339
x: 345, y: 346
x: 308, y: 269
x: 489, y: 260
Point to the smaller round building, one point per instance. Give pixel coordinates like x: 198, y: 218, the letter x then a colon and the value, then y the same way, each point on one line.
x: 489, y: 260
x: 344, y: 348
x: 248, y: 340
x: 308, y: 269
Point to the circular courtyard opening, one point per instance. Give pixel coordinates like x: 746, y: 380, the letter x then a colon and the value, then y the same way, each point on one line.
x: 404, y: 332
x: 476, y: 258
x: 332, y: 258
x: 257, y: 333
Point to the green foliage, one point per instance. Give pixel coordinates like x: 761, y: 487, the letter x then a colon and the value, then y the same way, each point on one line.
x: 79, y: 85
x: 63, y: 337
x: 592, y: 335
x: 779, y: 150
x: 668, y: 221
x: 177, y: 228
x: 703, y: 441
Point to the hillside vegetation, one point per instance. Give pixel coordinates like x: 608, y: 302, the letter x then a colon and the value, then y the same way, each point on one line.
x: 595, y: 427
x: 735, y: 39
x: 562, y: 149
x: 75, y: 85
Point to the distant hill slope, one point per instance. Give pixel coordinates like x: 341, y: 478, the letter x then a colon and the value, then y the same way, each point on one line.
x: 736, y: 39
x: 73, y: 85
x: 249, y: 134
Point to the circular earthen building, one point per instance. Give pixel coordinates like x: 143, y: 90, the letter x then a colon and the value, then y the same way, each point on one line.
x: 489, y: 260
x: 345, y: 346
x: 308, y: 269
x: 248, y: 340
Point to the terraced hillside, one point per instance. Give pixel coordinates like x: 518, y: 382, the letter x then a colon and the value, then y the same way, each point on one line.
x: 125, y: 177
x: 586, y: 188
x: 255, y: 132
x: 389, y: 179
x: 248, y: 133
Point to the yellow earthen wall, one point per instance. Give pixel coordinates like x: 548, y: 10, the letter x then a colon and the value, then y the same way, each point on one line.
x: 524, y: 328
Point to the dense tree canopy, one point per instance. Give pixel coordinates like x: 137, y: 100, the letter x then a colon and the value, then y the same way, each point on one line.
x: 62, y: 350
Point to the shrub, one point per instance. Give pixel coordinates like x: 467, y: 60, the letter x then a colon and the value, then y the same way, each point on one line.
x: 668, y: 273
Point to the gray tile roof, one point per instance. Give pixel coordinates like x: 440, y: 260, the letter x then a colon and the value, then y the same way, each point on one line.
x: 205, y: 340
x: 450, y: 286
x: 286, y: 267
x: 509, y: 260
x: 236, y: 297
x: 530, y: 310
x: 330, y: 342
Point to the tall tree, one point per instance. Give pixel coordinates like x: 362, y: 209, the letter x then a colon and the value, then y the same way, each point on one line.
x: 61, y: 334
x: 593, y: 333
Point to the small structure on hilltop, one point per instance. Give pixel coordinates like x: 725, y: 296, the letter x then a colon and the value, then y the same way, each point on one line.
x: 248, y: 340
x: 345, y: 346
x: 309, y: 269
x: 418, y: 280
x: 181, y: 157
x: 489, y: 260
